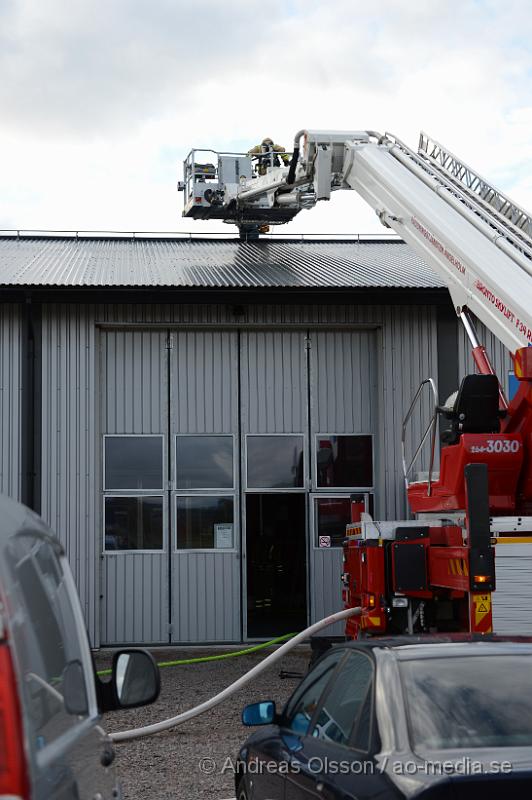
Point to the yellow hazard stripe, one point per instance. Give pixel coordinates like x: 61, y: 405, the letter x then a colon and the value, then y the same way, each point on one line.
x: 458, y: 566
x: 514, y: 540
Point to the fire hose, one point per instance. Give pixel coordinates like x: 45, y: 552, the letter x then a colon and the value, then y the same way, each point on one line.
x: 179, y: 719
x: 219, y: 657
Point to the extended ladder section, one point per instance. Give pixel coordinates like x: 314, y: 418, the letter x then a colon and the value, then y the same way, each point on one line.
x: 484, y: 258
x: 513, y: 218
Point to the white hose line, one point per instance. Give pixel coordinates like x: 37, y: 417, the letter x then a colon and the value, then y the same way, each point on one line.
x: 165, y: 724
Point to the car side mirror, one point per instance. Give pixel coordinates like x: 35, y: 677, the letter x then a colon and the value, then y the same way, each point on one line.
x: 259, y: 713
x: 135, y: 681
x: 136, y: 678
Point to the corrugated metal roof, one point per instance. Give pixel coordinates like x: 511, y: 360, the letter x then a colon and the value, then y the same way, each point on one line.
x: 227, y: 263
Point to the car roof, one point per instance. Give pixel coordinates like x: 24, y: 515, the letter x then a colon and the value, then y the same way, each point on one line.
x: 446, y: 645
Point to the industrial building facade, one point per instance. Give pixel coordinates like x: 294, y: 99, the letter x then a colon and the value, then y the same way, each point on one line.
x: 192, y: 417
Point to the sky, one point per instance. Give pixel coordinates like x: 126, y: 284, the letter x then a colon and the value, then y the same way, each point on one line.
x: 101, y: 100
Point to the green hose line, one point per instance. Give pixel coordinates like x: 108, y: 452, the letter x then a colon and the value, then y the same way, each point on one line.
x: 220, y: 657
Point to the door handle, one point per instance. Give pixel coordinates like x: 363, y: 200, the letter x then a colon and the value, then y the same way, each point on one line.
x: 320, y: 786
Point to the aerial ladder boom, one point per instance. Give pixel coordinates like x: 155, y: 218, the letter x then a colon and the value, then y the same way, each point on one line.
x: 482, y: 264
x: 475, y: 238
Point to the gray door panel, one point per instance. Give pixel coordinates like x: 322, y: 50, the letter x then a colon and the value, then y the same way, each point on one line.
x: 274, y: 382
x: 274, y: 401
x: 343, y: 400
x: 204, y: 401
x: 133, y: 401
x: 135, y: 594
x: 206, y: 601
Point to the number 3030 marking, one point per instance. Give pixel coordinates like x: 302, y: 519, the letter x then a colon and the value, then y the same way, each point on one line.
x: 503, y: 446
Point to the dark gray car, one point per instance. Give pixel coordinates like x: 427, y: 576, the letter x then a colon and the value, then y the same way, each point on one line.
x: 445, y: 717
x: 51, y: 742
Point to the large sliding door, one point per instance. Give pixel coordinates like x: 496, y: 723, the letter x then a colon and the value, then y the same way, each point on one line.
x: 203, y: 431
x: 134, y: 546
x: 204, y: 447
x: 344, y: 414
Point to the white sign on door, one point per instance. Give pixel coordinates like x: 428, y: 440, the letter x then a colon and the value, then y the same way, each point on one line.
x: 223, y: 536
x: 324, y: 541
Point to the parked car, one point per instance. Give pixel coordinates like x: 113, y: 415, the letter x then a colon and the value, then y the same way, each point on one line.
x: 51, y: 742
x: 444, y: 717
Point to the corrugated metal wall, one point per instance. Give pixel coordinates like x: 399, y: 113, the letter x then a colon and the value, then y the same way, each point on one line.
x: 410, y: 354
x: 70, y: 471
x: 406, y: 343
x: 10, y: 393
x: 71, y: 479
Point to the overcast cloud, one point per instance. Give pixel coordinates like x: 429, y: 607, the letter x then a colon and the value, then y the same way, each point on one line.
x: 100, y: 101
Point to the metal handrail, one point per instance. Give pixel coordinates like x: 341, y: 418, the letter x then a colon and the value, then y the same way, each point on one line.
x: 431, y: 429
x: 231, y: 153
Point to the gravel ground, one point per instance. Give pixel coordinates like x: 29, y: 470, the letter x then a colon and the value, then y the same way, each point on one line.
x: 168, y: 765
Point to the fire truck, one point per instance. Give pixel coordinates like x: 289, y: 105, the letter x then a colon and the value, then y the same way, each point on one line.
x: 435, y: 572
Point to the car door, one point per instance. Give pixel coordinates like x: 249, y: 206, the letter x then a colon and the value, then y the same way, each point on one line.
x: 296, y: 722
x: 273, y: 752
x: 69, y: 755
x: 336, y: 753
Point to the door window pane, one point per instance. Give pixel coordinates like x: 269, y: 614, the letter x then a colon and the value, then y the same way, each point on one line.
x: 346, y: 703
x: 205, y: 523
x: 301, y: 707
x: 133, y: 462
x: 332, y: 516
x: 344, y: 461
x: 275, y: 462
x: 134, y: 523
x: 204, y: 462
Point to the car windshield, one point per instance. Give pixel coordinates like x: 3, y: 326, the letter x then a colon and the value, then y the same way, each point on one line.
x: 479, y: 701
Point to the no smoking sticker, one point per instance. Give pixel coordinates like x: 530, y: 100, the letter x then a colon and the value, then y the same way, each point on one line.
x: 324, y: 541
